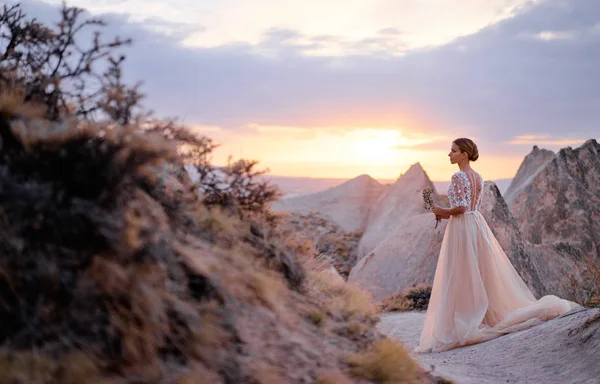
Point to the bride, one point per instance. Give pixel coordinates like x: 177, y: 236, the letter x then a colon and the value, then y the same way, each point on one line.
x: 477, y: 294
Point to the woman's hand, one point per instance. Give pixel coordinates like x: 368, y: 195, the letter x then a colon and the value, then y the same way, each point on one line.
x: 439, y: 211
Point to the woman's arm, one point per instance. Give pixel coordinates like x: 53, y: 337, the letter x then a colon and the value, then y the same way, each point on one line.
x: 440, y: 211
x: 457, y: 196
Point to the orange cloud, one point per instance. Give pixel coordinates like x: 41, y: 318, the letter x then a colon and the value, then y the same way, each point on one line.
x: 544, y: 140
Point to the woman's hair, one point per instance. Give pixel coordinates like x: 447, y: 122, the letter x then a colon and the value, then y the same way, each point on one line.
x: 467, y: 145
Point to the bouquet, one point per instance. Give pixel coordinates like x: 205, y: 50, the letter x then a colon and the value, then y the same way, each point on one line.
x: 428, y: 200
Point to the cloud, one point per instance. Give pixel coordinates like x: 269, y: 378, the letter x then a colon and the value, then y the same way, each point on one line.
x: 425, y: 142
x: 389, y: 31
x: 493, y: 85
x: 176, y: 30
x: 546, y: 140
x: 234, y: 21
x: 556, y: 35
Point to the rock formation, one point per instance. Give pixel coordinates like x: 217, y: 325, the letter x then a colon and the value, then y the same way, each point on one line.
x: 107, y: 278
x: 409, y: 254
x: 329, y: 242
x: 402, y: 200
x: 557, y: 209
x: 528, y: 170
x: 347, y: 205
x: 561, y: 202
x: 505, y: 229
x: 562, y: 350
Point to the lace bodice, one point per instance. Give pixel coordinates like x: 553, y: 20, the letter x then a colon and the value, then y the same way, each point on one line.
x: 463, y: 193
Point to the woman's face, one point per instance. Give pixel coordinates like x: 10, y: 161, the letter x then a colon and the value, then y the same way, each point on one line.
x: 456, y: 155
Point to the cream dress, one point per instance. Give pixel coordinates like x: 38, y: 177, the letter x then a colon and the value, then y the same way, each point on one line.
x: 477, y: 294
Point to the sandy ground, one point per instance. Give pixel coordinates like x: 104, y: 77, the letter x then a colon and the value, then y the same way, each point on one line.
x: 563, y: 350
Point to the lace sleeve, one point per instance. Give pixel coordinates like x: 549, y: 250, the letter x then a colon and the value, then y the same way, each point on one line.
x: 458, y: 193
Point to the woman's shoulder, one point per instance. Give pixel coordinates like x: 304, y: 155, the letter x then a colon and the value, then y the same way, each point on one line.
x: 460, y: 175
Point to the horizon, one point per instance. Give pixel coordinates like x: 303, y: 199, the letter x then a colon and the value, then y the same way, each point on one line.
x: 503, y: 179
x: 369, y: 91
x: 293, y: 186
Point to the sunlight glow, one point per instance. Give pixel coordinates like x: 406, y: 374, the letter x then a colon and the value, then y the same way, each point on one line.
x: 333, y: 152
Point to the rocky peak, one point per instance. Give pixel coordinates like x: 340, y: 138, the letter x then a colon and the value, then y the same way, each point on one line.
x: 533, y: 163
x: 401, y: 201
x: 505, y: 229
x: 408, y: 254
x: 561, y: 201
x: 347, y: 204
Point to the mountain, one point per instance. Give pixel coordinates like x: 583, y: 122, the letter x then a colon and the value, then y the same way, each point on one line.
x: 348, y: 204
x: 400, y: 201
x: 561, y: 201
x: 528, y: 170
x: 408, y: 255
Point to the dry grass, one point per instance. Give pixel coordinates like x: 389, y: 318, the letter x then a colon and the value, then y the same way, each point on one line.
x: 386, y: 362
x: 342, y: 297
x: 11, y: 104
x: 333, y: 378
x: 108, y: 275
x: 414, y: 298
x: 35, y: 367
x: 105, y: 260
x: 323, y: 239
x: 200, y: 376
x: 586, y: 288
x: 593, y: 298
x: 357, y: 329
x: 316, y: 317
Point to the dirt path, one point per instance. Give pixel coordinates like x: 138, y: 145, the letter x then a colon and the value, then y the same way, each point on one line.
x: 563, y: 350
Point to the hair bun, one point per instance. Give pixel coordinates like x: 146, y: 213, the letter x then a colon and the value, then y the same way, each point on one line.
x: 468, y: 146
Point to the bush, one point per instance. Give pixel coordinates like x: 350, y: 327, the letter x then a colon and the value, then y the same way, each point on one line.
x: 97, y: 257
x: 49, y: 66
x: 386, y: 362
x: 113, y: 268
x: 328, y: 241
x: 46, y: 66
x: 415, y: 298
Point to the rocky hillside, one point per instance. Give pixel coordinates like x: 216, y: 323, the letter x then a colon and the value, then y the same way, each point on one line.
x: 399, y: 202
x: 505, y: 229
x: 329, y: 243
x: 562, y: 350
x: 112, y: 272
x: 528, y: 170
x: 557, y: 209
x: 348, y: 205
x: 561, y: 203
x: 408, y: 255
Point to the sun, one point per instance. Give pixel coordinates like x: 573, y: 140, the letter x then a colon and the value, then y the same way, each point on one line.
x: 377, y: 146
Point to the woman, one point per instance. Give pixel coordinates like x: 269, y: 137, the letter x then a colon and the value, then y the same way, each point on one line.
x: 477, y: 295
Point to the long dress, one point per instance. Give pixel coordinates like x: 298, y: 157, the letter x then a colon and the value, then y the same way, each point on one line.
x: 477, y: 294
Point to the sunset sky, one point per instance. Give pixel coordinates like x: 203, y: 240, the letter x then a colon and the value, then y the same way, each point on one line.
x: 338, y: 88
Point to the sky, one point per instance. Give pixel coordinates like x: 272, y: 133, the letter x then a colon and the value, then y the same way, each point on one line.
x: 337, y: 89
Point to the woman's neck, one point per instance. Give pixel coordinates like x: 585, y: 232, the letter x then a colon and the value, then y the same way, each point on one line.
x: 464, y: 166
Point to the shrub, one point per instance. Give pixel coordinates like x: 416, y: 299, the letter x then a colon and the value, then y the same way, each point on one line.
x: 49, y: 66
x: 415, y: 298
x: 386, y: 362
